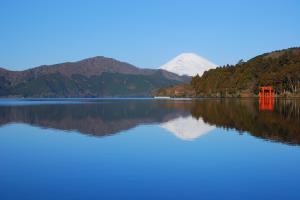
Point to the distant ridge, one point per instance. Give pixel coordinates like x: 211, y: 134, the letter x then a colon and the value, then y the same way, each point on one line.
x: 92, y: 77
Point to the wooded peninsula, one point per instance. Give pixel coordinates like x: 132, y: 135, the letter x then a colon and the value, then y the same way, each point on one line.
x: 279, y: 69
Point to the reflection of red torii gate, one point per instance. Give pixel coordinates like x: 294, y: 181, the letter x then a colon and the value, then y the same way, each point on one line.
x: 266, y: 100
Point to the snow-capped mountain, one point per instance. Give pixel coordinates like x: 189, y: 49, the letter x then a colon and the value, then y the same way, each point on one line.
x: 187, y: 128
x: 188, y: 64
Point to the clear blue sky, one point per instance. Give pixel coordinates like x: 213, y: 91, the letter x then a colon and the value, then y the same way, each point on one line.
x: 144, y: 33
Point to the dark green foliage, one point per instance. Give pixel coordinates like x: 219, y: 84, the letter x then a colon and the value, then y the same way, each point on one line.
x: 104, y: 85
x: 4, y: 86
x: 280, y: 69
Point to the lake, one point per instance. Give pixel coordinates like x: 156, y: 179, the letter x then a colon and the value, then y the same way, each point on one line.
x: 149, y: 149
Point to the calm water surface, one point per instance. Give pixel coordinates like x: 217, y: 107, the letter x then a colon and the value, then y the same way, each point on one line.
x: 149, y: 149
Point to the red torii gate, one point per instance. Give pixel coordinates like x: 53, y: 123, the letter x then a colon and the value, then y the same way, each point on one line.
x: 266, y: 91
x: 266, y: 100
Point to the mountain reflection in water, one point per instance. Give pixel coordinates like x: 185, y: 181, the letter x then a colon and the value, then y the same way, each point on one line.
x: 187, y: 120
x: 187, y: 128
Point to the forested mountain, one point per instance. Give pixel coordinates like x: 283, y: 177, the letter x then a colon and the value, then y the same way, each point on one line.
x: 92, y: 77
x: 280, y: 69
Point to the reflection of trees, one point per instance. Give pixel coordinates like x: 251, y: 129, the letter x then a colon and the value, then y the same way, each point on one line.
x: 283, y: 124
x: 95, y: 119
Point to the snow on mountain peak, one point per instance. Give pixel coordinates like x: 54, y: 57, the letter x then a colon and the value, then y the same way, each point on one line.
x: 188, y: 64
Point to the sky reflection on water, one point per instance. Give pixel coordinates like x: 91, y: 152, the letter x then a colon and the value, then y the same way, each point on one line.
x: 152, y: 150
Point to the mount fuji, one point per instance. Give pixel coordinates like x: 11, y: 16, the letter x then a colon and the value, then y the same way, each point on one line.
x: 188, y: 64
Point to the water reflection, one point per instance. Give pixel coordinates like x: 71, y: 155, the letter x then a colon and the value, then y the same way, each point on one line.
x: 97, y: 119
x: 187, y: 128
x: 266, y: 103
x: 281, y: 125
x: 187, y: 120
